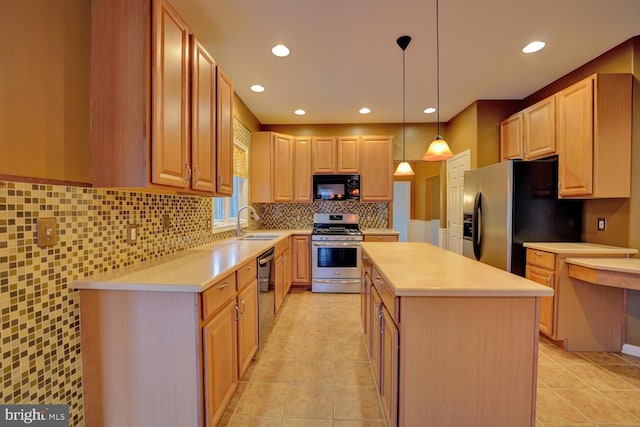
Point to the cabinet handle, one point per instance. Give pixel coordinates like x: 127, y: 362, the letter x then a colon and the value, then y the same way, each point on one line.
x: 244, y: 306
x: 378, y: 279
x: 538, y: 253
x: 186, y: 165
x: 549, y: 280
x: 250, y: 267
x: 197, y: 174
x: 380, y: 317
x: 237, y: 314
x: 224, y: 285
x: 220, y: 179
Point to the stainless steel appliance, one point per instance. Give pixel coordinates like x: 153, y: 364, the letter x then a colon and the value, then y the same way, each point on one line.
x: 513, y: 202
x: 266, y: 301
x: 335, y: 253
x: 336, y: 187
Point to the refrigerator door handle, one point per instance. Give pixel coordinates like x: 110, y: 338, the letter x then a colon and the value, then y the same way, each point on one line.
x: 477, y: 225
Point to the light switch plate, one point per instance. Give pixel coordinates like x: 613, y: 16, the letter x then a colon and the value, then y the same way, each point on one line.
x: 166, y: 222
x: 602, y: 224
x: 132, y: 234
x: 47, y: 229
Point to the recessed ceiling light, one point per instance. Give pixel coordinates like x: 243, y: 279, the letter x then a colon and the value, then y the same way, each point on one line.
x: 364, y: 110
x: 533, y: 47
x: 300, y: 112
x: 257, y: 88
x: 280, y: 50
x: 429, y: 110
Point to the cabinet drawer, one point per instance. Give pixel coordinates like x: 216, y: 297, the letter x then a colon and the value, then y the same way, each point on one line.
x: 389, y: 300
x: 246, y: 275
x: 218, y: 295
x: 541, y: 259
x: 380, y: 238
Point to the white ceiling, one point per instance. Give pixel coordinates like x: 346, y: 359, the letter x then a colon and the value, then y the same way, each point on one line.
x: 344, y: 53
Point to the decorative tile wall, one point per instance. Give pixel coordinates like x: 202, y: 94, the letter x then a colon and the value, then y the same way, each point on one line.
x: 300, y: 215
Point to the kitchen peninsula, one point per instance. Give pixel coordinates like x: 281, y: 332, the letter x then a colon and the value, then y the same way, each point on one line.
x: 452, y: 341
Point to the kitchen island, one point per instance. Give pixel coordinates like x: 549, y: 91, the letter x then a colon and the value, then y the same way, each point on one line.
x: 453, y: 342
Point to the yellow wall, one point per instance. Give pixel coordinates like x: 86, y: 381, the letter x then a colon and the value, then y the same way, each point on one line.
x: 44, y: 78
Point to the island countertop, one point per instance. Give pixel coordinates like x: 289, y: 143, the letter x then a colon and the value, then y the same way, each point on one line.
x: 577, y: 248
x: 421, y: 269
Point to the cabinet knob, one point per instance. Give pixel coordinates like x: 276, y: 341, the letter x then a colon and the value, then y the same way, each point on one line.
x: 197, y: 174
x: 224, y: 285
x: 186, y: 165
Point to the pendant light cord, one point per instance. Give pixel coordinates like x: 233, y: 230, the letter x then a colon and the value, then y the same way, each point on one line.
x: 437, y: 72
x: 403, y: 108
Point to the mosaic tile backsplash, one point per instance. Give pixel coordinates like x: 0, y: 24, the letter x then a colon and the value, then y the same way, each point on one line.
x: 40, y: 317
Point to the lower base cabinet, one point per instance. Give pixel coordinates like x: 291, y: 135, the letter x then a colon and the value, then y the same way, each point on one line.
x: 247, y: 326
x: 220, y: 362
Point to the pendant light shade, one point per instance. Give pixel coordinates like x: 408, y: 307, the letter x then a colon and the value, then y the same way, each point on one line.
x: 404, y: 168
x: 438, y: 149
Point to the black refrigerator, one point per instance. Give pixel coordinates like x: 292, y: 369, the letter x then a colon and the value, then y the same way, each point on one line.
x: 512, y: 202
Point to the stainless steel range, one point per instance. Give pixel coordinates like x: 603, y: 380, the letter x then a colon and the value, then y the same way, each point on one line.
x: 335, y: 253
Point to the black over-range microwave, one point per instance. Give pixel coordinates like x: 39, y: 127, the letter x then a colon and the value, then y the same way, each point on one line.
x: 336, y: 187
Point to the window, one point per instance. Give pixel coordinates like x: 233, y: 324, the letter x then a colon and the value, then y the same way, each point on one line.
x: 225, y: 209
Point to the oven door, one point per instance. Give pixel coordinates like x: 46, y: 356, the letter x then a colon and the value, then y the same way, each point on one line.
x: 335, y: 260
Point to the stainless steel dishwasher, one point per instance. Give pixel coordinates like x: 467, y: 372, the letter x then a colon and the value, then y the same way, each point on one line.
x: 266, y: 304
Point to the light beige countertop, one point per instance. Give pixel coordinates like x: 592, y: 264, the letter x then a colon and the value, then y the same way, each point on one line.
x: 614, y: 272
x: 623, y: 265
x: 193, y: 270
x: 579, y: 248
x: 386, y: 231
x: 421, y: 269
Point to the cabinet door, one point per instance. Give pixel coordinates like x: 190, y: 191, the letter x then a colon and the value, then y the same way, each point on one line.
x: 278, y: 277
x: 389, y: 366
x: 376, y: 336
x: 203, y: 118
x: 302, y: 170
x: 547, y: 278
x: 288, y: 267
x: 247, y: 326
x: 511, y: 137
x: 348, y: 155
x: 539, y: 137
x: 282, y: 173
x: 224, y: 146
x: 380, y: 238
x: 376, y: 175
x: 220, y: 362
x: 301, y: 259
x: 365, y: 309
x: 324, y: 154
x: 170, y: 147
x: 575, y: 139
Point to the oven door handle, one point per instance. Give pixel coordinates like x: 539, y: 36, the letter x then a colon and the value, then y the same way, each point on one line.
x: 339, y: 244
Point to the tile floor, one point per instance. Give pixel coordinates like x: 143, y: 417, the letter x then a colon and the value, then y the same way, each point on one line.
x: 314, y: 371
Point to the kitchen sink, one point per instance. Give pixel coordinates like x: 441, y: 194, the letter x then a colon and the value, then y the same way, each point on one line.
x: 259, y: 237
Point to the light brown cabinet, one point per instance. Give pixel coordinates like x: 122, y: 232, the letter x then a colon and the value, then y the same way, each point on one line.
x: 282, y: 271
x: 302, y: 170
x: 376, y: 175
x: 272, y: 166
x: 581, y: 316
x: 156, y: 102
x: 224, y: 141
x: 594, y: 137
x: 247, y: 302
x: 333, y: 155
x: 529, y: 134
x: 511, y: 137
x: 301, y: 260
x: 380, y: 237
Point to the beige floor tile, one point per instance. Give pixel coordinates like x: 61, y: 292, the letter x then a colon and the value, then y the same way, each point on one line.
x: 350, y: 351
x: 599, y: 378
x: 357, y: 403
x: 629, y: 373
x: 353, y: 373
x: 315, y: 350
x: 560, y: 356
x: 627, y: 399
x: 348, y: 335
x: 280, y: 349
x: 631, y: 359
x: 313, y: 372
x: 556, y: 376
x: 274, y: 371
x: 358, y: 423
x: 603, y: 358
x: 306, y: 422
x: 251, y: 421
x: 263, y: 400
x: 310, y: 401
x: 291, y: 333
x: 596, y: 407
x: 552, y: 409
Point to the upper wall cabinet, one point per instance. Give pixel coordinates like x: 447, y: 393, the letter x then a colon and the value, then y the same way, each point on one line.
x: 302, y: 170
x: 594, y: 137
x: 160, y: 117
x: 272, y: 167
x: 376, y: 176
x: 529, y: 134
x: 335, y: 155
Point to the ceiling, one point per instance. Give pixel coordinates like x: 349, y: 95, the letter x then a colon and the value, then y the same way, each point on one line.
x: 344, y: 54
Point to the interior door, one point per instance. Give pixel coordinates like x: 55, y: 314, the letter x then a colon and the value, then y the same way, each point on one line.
x: 455, y: 197
x: 402, y: 208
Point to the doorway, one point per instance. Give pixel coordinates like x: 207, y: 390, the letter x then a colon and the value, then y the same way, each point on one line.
x: 455, y: 193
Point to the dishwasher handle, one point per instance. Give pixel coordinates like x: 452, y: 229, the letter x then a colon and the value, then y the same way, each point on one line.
x: 265, y: 260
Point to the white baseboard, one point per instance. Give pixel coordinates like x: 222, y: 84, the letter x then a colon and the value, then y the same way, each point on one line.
x: 632, y: 350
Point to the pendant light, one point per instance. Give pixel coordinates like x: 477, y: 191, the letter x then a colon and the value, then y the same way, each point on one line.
x: 438, y: 149
x: 404, y: 168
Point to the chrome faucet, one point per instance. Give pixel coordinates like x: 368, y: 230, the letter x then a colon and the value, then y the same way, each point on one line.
x: 255, y: 216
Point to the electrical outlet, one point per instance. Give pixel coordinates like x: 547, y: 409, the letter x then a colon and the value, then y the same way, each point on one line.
x: 602, y: 224
x: 166, y: 222
x: 132, y: 234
